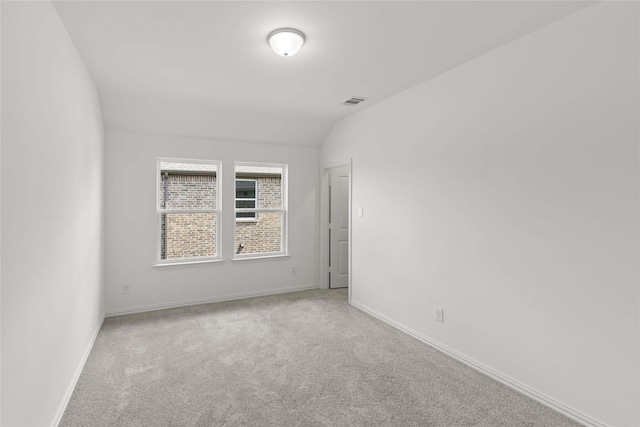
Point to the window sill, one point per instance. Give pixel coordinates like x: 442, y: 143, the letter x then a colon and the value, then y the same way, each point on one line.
x: 248, y: 257
x: 172, y: 264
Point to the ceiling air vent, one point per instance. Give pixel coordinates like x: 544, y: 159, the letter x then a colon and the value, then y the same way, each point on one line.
x: 355, y: 100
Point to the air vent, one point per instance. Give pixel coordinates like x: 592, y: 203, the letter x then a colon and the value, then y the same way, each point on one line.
x: 355, y: 100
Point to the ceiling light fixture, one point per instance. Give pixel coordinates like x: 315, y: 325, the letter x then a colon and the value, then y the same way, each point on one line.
x: 286, y: 41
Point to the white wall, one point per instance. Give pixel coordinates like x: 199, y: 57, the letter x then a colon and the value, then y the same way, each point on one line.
x: 506, y: 191
x: 170, y: 117
x: 130, y: 186
x: 52, y: 210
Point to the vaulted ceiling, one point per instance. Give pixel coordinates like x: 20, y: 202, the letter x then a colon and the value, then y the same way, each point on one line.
x: 204, y: 68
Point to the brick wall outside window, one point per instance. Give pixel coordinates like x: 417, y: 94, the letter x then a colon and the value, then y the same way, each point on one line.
x: 188, y: 235
x: 265, y: 234
x: 192, y: 235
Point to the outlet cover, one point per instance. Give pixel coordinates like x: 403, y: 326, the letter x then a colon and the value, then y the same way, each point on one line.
x: 126, y: 289
x: 439, y: 314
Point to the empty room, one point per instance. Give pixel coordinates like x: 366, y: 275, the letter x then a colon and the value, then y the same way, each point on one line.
x: 320, y: 213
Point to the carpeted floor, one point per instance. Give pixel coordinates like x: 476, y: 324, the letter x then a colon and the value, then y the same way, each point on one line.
x: 298, y: 359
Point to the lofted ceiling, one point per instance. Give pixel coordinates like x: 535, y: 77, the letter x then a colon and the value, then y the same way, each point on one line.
x: 204, y: 68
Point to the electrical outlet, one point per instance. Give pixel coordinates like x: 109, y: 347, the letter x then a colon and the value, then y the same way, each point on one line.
x: 126, y: 289
x: 294, y: 271
x: 439, y: 314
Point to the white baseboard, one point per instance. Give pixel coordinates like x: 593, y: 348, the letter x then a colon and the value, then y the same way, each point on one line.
x: 76, y: 377
x: 199, y: 301
x: 504, y: 379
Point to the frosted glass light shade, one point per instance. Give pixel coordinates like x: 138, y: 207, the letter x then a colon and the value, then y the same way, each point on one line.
x: 286, y: 41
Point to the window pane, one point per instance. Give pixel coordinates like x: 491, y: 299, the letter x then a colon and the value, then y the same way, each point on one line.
x: 245, y: 189
x: 251, y: 215
x: 187, y: 185
x: 262, y: 236
x: 187, y: 235
x: 245, y: 204
x: 268, y: 180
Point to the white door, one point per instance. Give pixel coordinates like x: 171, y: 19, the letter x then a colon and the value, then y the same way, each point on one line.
x: 339, y: 227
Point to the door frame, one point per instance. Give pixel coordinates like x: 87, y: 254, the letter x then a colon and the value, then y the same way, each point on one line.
x: 324, y: 223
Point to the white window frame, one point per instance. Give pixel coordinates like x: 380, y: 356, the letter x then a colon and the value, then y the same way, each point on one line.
x: 160, y: 211
x: 284, y: 209
x: 255, y: 199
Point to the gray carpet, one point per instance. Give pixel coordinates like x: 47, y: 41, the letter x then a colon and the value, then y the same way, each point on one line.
x: 298, y: 359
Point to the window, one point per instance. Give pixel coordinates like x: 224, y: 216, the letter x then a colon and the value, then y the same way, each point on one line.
x: 261, y: 210
x: 246, y: 198
x: 188, y: 211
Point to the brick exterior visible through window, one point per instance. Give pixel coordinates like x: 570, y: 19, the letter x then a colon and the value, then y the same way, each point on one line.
x: 265, y: 234
x: 192, y: 235
x: 187, y: 235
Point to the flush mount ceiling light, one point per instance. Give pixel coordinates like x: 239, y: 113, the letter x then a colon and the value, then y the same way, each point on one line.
x: 286, y: 41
